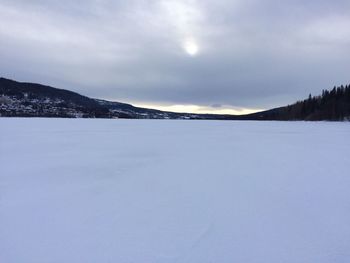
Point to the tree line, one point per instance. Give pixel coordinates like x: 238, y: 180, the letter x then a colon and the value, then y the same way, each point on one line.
x: 333, y: 105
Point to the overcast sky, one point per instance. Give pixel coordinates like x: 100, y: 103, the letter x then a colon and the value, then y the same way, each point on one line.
x: 209, y: 55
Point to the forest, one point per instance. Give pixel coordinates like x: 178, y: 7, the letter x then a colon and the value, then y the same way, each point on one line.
x: 333, y: 105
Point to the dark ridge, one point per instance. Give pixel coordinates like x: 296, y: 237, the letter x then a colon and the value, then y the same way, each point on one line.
x: 38, y: 98
x: 332, y: 105
x: 14, y: 88
x: 21, y: 99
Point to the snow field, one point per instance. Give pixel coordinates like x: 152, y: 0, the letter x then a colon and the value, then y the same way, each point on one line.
x: 74, y: 190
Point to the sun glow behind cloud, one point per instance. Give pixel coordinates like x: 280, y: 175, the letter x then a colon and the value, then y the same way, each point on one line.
x: 191, y: 47
x: 185, y: 18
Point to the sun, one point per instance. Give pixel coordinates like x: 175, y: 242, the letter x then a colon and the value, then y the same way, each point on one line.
x: 191, y: 48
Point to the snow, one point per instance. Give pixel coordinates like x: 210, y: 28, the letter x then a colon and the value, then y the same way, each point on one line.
x: 74, y: 190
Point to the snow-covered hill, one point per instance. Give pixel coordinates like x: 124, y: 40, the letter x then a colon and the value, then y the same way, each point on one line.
x: 19, y: 99
x: 173, y: 191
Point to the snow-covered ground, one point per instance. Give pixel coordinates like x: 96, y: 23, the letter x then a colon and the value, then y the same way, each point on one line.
x: 174, y: 191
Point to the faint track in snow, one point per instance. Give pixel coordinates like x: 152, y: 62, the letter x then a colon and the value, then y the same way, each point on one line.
x: 196, y: 242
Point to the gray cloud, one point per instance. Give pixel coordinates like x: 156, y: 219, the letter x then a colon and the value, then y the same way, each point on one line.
x: 254, y: 54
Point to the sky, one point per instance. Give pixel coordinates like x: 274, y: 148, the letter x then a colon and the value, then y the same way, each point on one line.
x: 223, y: 56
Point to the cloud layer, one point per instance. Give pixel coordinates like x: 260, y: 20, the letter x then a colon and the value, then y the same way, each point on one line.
x: 249, y: 54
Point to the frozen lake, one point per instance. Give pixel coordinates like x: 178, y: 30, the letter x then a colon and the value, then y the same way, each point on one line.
x: 174, y: 191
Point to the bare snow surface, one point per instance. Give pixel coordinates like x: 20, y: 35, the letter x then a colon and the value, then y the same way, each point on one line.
x: 174, y: 191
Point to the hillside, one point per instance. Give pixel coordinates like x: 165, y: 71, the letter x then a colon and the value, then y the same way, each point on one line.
x: 35, y: 100
x: 20, y: 99
x: 332, y: 105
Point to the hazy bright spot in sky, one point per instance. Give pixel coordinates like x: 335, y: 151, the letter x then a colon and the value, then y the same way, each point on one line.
x: 191, y: 48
